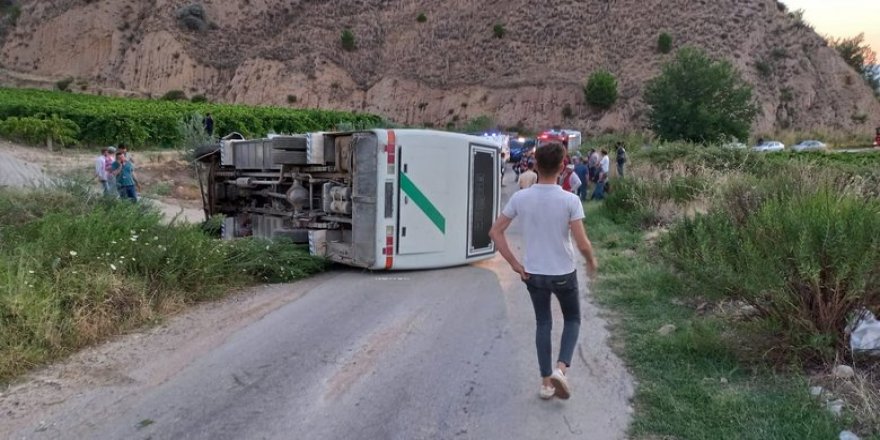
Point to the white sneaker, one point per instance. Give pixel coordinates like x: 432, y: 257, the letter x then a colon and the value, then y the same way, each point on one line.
x: 560, y: 383
x: 546, y: 392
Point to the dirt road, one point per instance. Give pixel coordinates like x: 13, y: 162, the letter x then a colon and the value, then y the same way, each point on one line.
x: 438, y: 354
x: 34, y: 167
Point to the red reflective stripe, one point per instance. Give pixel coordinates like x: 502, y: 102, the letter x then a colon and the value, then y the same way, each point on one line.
x: 389, y: 262
x: 389, y: 241
x: 390, y: 148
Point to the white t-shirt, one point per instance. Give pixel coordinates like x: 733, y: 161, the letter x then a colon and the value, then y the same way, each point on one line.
x: 575, y: 182
x: 99, y: 168
x: 545, y: 212
x: 605, y: 164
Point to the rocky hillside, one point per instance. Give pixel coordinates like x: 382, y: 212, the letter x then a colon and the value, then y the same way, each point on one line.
x: 447, y: 68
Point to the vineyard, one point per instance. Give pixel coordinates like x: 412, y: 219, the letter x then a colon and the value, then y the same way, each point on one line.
x: 33, y: 116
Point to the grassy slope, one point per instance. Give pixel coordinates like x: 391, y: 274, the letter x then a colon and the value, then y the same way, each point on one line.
x: 691, y: 383
x: 75, y: 269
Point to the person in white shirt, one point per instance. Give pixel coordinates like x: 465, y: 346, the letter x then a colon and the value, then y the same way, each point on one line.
x: 574, y: 181
x: 101, y: 171
x: 604, y: 168
x: 551, y: 216
x: 605, y: 163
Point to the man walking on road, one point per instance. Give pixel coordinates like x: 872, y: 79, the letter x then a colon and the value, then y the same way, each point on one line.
x: 549, y: 214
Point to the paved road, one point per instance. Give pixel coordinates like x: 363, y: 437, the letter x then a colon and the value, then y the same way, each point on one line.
x: 444, y: 354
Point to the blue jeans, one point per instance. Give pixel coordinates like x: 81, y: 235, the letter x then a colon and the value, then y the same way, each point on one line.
x: 106, y: 186
x: 565, y: 287
x: 582, y: 190
x: 599, y: 191
x: 128, y: 192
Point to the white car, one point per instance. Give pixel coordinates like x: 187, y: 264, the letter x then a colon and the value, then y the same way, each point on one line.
x: 769, y: 147
x: 735, y: 145
x: 810, y: 146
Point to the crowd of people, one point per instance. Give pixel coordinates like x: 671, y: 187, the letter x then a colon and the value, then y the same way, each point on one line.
x: 115, y: 170
x: 580, y: 173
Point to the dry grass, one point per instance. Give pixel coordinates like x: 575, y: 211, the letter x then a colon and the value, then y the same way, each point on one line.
x: 861, y: 394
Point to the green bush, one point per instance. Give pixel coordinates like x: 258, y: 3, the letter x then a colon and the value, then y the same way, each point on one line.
x: 633, y: 201
x: 174, y: 95
x: 422, y: 18
x: 37, y: 131
x: 664, y: 43
x: 699, y: 99
x: 62, y: 286
x: 348, y: 40
x: 601, y: 89
x: 806, y: 259
x: 498, y: 30
x: 194, y: 136
x: 199, y: 98
x: 64, y: 84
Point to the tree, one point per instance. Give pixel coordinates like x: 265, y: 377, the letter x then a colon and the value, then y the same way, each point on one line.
x: 348, y: 41
x: 859, y: 55
x: 699, y: 99
x: 601, y: 89
x: 855, y: 52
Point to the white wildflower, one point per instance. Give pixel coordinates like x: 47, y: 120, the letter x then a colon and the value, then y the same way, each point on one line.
x: 155, y: 238
x: 112, y: 267
x: 72, y: 253
x: 113, y: 242
x: 30, y: 271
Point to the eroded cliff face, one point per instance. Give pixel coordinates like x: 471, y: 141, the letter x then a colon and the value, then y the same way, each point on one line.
x: 449, y: 68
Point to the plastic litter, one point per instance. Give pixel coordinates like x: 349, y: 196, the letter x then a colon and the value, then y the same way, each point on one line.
x: 865, y: 334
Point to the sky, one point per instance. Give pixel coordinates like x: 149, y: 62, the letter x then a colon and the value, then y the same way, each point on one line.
x: 842, y: 18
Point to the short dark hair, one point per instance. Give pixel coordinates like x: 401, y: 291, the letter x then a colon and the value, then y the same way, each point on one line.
x: 121, y: 147
x: 549, y: 159
x: 104, y: 150
x: 531, y: 165
x: 604, y: 151
x: 120, y: 154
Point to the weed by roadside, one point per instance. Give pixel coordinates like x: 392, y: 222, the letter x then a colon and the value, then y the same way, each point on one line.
x: 75, y: 268
x: 692, y: 383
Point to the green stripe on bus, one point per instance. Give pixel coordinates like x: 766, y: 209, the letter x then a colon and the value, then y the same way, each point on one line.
x: 422, y: 202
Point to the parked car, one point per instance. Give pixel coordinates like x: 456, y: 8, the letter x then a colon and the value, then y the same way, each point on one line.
x: 735, y: 145
x: 810, y: 146
x: 769, y: 147
x: 520, y: 146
